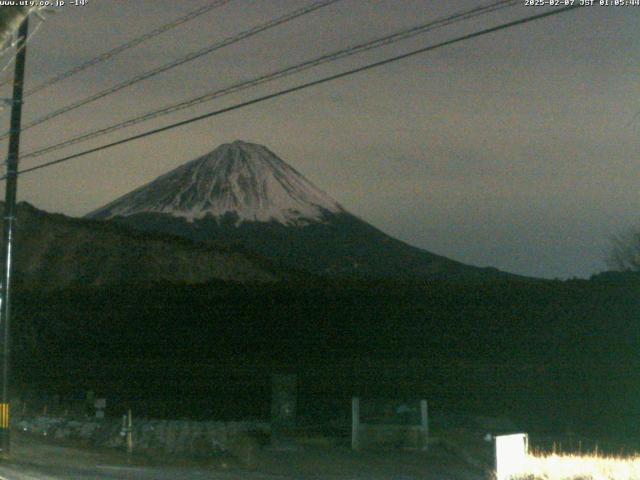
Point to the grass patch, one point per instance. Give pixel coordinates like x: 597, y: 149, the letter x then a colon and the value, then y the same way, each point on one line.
x: 554, y: 466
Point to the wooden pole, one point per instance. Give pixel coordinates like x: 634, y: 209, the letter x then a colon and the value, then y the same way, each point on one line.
x: 129, y: 433
x: 424, y: 417
x: 355, y: 423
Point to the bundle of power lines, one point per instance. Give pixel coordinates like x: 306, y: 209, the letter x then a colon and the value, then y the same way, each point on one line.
x: 246, y: 84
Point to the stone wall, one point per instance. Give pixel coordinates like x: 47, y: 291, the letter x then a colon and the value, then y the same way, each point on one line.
x: 166, y: 436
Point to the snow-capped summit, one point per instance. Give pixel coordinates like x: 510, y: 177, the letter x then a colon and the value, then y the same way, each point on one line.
x: 239, y: 178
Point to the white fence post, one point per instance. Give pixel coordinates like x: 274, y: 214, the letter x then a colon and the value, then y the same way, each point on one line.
x: 511, y: 454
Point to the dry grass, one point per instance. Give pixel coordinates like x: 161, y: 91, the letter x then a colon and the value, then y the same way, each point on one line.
x: 581, y: 467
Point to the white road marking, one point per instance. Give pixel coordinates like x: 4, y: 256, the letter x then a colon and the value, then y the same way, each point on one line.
x: 120, y: 467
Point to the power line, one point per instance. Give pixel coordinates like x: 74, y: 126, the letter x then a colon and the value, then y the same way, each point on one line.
x: 301, y: 87
x: 330, y: 57
x: 181, y: 61
x: 103, y: 57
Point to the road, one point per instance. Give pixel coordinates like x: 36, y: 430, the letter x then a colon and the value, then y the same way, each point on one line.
x: 26, y: 472
x: 35, y: 459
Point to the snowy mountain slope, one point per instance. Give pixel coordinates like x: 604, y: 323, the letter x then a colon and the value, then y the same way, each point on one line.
x: 240, y: 178
x: 243, y: 194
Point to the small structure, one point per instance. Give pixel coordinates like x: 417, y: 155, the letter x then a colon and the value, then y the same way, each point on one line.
x: 389, y: 423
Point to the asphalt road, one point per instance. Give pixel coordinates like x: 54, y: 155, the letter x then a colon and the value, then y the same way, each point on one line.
x: 35, y: 459
x: 31, y: 472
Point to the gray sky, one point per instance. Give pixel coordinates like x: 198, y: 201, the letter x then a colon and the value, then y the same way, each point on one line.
x: 515, y: 150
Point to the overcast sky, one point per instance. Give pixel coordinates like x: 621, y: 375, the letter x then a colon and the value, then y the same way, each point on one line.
x: 516, y: 150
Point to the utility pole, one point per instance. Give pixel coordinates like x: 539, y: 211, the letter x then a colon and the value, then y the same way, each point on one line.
x: 7, y: 239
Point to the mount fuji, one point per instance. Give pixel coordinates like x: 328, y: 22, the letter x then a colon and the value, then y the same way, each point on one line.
x: 240, y: 179
x: 244, y: 194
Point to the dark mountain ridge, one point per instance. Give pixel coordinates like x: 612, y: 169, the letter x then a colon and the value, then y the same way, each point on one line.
x: 54, y: 251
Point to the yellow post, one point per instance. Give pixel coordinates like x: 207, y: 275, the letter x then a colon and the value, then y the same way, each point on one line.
x: 4, y: 415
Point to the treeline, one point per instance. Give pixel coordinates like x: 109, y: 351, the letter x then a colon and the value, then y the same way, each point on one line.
x: 552, y: 355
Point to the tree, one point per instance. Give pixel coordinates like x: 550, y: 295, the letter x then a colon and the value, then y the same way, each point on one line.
x: 625, y: 251
x: 10, y: 20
